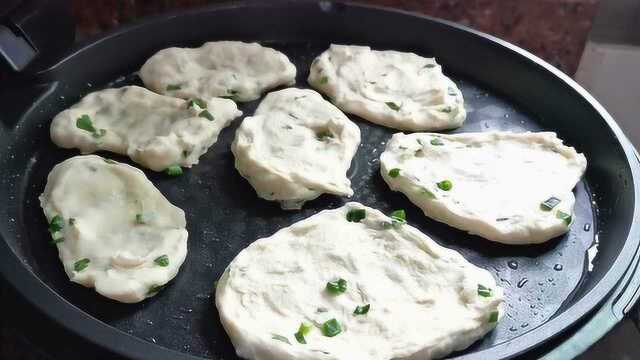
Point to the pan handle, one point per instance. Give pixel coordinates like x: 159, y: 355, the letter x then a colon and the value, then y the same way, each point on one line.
x: 33, y: 30
x: 620, y: 303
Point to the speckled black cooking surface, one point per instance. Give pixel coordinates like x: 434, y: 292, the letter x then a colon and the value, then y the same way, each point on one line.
x: 224, y: 215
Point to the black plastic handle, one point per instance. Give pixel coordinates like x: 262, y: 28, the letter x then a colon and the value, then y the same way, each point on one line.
x: 33, y: 32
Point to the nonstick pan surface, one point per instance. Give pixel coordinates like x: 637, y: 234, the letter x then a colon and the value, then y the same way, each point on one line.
x: 548, y: 287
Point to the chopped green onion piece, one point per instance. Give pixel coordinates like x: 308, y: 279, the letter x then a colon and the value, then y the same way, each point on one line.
x: 564, y: 216
x: 55, y: 241
x: 361, y: 310
x: 331, y: 328
x: 436, y: 142
x: 550, y: 203
x: 337, y: 286
x: 393, y: 106
x: 72, y: 221
x: 185, y: 154
x: 280, y: 338
x: 199, y: 102
x: 399, y: 216
x: 56, y: 235
x: 445, y: 185
x: 162, y: 260
x: 140, y: 219
x: 484, y: 291
x: 81, y: 264
x: 428, y: 193
x: 172, y: 87
x: 232, y: 92
x: 323, y: 135
x: 303, y: 330
x: 394, y: 172
x: 84, y: 122
x: 154, y: 289
x: 173, y: 170
x: 429, y: 66
x: 446, y: 109
x: 99, y: 133
x: 323, y: 80
x: 493, y: 316
x: 300, y: 338
x: 206, y: 114
x: 109, y: 161
x: 56, y: 224
x: 356, y: 215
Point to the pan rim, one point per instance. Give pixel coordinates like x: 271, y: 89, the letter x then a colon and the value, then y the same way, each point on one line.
x: 108, y: 337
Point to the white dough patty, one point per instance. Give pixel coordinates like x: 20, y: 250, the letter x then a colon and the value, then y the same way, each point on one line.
x: 153, y: 130
x: 424, y: 300
x: 391, y: 88
x: 296, y: 147
x: 114, y: 230
x: 239, y: 70
x: 514, y: 188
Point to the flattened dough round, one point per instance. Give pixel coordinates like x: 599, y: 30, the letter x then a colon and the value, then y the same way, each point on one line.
x: 112, y: 215
x: 242, y: 71
x: 424, y: 299
x: 390, y: 88
x: 153, y: 130
x: 296, y: 147
x: 499, y: 181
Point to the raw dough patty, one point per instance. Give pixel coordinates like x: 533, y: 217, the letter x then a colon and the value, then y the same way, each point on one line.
x: 506, y: 187
x: 114, y: 230
x: 391, y: 88
x: 153, y: 130
x: 401, y: 294
x: 296, y: 147
x: 239, y: 70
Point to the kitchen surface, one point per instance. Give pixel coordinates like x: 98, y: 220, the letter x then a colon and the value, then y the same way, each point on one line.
x: 595, y: 42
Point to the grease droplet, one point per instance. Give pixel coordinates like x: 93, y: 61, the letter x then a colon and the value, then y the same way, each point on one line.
x: 513, y: 264
x: 513, y: 328
x: 524, y: 325
x: 557, y: 267
x: 522, y: 282
x: 587, y: 227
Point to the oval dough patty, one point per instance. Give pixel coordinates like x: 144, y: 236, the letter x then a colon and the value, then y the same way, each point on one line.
x: 114, y: 230
x: 296, y: 147
x: 423, y: 300
x: 498, y: 181
x: 242, y: 71
x: 391, y: 88
x: 153, y: 130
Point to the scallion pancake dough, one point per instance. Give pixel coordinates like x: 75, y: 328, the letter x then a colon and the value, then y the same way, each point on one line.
x: 296, y: 147
x: 114, y: 230
x: 153, y: 130
x: 242, y: 71
x: 396, y: 89
x: 513, y: 188
x: 425, y: 301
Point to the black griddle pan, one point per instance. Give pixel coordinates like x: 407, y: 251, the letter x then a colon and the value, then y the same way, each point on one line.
x: 549, y: 287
